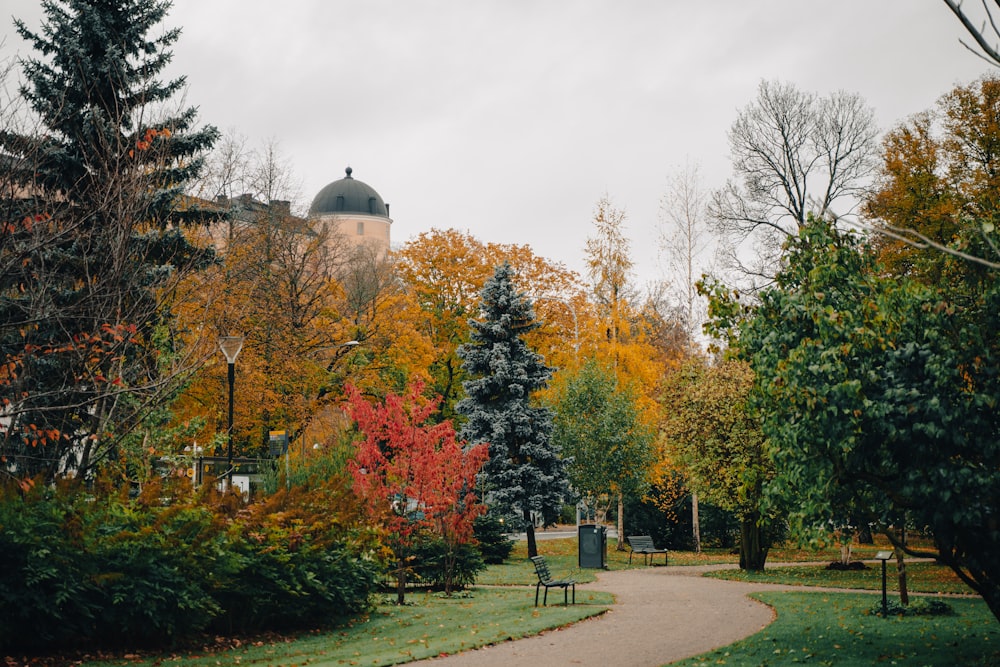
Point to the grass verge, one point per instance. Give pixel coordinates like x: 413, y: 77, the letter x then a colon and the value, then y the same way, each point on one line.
x: 430, y: 624
x: 835, y: 629
x: 920, y: 578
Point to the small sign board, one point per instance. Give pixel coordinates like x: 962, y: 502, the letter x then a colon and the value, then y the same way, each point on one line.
x: 883, y: 555
x: 278, y: 441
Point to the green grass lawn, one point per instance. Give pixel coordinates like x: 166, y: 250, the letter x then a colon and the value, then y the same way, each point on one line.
x: 836, y: 629
x: 429, y: 624
x: 920, y: 577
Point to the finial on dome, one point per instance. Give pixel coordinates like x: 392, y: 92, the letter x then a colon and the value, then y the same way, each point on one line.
x: 349, y: 171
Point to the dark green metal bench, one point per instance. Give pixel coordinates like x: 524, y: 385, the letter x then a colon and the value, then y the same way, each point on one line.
x: 643, y: 544
x: 545, y: 579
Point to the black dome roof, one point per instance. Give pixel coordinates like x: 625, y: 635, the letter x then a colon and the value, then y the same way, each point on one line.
x: 349, y: 195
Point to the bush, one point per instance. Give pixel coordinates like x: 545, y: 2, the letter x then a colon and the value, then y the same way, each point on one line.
x: 100, y: 569
x: 153, y: 569
x: 292, y: 564
x: 430, y: 562
x: 919, y: 606
x: 46, y: 576
x: 495, y: 544
x: 567, y: 515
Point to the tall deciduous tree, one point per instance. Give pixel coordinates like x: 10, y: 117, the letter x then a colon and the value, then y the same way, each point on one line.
x: 92, y: 240
x: 600, y: 431
x: 711, y: 428
x: 687, y: 240
x: 792, y: 152
x: 625, y: 329
x: 524, y: 476
x: 883, y: 391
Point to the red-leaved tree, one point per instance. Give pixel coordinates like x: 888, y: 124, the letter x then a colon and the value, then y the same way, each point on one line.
x: 414, y: 476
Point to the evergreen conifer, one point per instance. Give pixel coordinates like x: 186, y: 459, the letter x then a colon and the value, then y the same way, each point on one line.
x: 524, y: 476
x: 91, y: 236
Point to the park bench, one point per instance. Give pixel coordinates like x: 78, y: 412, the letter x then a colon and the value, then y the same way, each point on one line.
x: 643, y: 544
x: 545, y: 579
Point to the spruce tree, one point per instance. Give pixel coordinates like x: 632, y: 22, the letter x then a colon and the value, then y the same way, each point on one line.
x: 91, y: 238
x: 524, y: 475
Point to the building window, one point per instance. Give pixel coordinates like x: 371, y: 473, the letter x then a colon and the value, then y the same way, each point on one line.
x: 371, y: 205
x: 361, y: 229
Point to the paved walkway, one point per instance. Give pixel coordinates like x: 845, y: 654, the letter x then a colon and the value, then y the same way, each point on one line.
x: 661, y: 614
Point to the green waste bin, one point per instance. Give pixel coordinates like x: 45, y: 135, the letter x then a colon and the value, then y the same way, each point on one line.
x: 592, y: 546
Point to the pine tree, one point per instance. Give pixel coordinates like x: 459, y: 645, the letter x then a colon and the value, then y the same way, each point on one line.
x: 524, y: 475
x: 91, y: 234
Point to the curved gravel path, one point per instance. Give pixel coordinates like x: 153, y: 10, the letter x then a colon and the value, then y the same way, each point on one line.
x: 661, y: 614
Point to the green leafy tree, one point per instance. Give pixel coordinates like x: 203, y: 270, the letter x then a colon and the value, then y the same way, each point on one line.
x: 884, y: 392
x: 600, y: 432
x: 524, y: 476
x: 91, y: 242
x: 717, y: 438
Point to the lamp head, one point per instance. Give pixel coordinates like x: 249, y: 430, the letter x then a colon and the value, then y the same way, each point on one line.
x: 231, y: 346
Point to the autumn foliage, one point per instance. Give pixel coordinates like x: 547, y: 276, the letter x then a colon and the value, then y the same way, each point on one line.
x: 414, y: 477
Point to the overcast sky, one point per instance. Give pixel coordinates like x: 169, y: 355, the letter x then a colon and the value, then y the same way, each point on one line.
x: 510, y: 119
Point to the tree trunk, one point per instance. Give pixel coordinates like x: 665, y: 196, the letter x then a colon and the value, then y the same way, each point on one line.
x: 400, y: 582
x: 621, y: 524
x: 529, y: 531
x: 904, y: 593
x: 695, y: 523
x: 449, y: 571
x: 753, y: 553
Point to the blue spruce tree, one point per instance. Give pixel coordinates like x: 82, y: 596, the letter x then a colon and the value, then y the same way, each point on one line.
x: 91, y: 238
x: 524, y: 475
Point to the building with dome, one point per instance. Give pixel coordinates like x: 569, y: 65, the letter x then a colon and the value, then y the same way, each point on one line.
x: 356, y: 211
x: 350, y: 208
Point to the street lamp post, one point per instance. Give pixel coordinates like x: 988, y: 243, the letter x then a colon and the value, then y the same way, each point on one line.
x: 230, y: 346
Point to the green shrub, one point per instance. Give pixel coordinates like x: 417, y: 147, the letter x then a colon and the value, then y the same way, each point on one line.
x: 919, y: 606
x: 46, y: 583
x: 293, y: 564
x: 99, y: 569
x: 494, y: 542
x: 430, y: 562
x: 154, y: 565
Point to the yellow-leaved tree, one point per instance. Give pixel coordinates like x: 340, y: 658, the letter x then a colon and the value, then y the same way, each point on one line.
x: 624, y: 340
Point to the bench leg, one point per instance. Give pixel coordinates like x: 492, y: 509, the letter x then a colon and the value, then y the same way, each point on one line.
x: 545, y: 598
x: 574, y: 593
x: 536, y: 592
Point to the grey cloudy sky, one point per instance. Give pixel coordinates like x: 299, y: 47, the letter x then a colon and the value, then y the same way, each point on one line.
x: 511, y: 118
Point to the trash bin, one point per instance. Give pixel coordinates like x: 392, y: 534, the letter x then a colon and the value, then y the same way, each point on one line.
x: 592, y: 546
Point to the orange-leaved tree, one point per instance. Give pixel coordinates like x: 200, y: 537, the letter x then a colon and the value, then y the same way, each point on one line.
x: 445, y: 271
x: 414, y: 477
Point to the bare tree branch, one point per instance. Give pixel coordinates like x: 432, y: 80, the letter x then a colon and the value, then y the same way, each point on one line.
x: 992, y: 54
